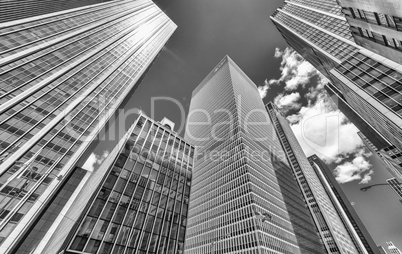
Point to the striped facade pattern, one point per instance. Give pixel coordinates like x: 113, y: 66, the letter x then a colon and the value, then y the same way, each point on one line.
x: 141, y: 205
x: 235, y: 176
x: 62, y: 77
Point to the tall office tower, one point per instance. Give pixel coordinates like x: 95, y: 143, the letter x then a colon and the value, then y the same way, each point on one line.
x: 63, y: 76
x: 396, y: 186
x: 11, y: 10
x: 369, y: 83
x: 338, y: 196
x: 241, y: 174
x: 390, y: 157
x: 393, y: 249
x: 376, y: 25
x: 335, y: 229
x: 382, y: 250
x: 137, y: 201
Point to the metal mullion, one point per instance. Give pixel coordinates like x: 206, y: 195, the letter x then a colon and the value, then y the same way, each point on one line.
x: 131, y: 198
x: 147, y: 214
x: 118, y: 233
x: 139, y: 179
x: 184, y: 187
x: 178, y: 181
x: 102, y: 184
x: 93, y: 201
x: 191, y: 178
x: 167, y: 200
x: 157, y: 206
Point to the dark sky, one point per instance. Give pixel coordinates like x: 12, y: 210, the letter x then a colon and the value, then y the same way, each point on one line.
x: 207, y: 31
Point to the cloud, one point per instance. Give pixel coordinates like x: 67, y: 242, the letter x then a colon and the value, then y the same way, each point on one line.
x: 295, y: 71
x: 357, y: 169
x: 263, y: 90
x: 94, y: 160
x: 323, y: 130
x: 288, y: 102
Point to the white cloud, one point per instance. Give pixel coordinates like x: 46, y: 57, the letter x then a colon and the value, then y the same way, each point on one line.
x: 288, y: 102
x: 94, y: 160
x: 357, y: 169
x: 323, y: 130
x: 295, y: 71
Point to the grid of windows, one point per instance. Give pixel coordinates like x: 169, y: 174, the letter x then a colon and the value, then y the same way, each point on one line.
x: 64, y: 74
x: 379, y: 19
x: 16, y: 9
x: 337, y: 48
x: 330, y: 6
x: 330, y: 23
x: 227, y: 191
x: 142, y: 204
x: 378, y: 80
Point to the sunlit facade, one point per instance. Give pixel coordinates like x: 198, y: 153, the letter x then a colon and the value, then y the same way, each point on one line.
x: 343, y: 206
x: 141, y: 201
x: 369, y: 83
x: 63, y: 76
x: 241, y: 171
x: 12, y: 10
x: 335, y: 230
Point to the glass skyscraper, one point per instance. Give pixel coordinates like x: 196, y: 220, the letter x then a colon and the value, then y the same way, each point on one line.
x: 241, y: 172
x: 393, y: 249
x: 137, y: 202
x: 63, y: 76
x: 335, y: 230
x: 368, y: 82
x: 11, y: 10
x: 332, y: 186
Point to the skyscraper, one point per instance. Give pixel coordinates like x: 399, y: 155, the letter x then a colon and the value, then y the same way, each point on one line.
x: 390, y: 157
x: 393, y: 249
x: 396, y: 186
x: 335, y: 229
x: 64, y: 75
x: 11, y: 10
x: 337, y: 195
x: 376, y: 25
x: 241, y: 173
x: 382, y: 250
x: 369, y: 83
x: 137, y: 201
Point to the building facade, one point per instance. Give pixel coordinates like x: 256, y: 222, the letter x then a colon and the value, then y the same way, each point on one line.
x: 390, y: 157
x: 138, y: 201
x: 343, y: 204
x: 396, y: 186
x: 376, y: 25
x: 369, y: 83
x: 20, y: 9
x: 382, y: 250
x: 334, y: 228
x: 64, y: 75
x: 241, y: 172
x: 392, y: 249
